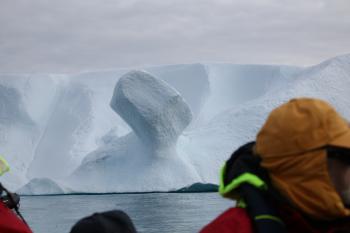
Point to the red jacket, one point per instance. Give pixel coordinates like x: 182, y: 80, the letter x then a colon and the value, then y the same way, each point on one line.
x: 10, y: 223
x: 237, y: 220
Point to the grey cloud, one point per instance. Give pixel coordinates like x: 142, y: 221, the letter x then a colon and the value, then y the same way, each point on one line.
x: 77, y: 35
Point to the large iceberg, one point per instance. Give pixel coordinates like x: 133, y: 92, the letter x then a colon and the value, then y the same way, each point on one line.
x: 62, y: 127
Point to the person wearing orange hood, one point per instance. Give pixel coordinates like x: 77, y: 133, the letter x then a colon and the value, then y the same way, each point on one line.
x: 294, y: 178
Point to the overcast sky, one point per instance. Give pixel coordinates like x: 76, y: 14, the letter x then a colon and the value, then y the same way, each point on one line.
x: 67, y: 36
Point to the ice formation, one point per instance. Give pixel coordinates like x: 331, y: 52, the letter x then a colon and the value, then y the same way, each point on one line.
x: 69, y: 117
x: 157, y: 115
x: 40, y: 186
x: 68, y: 121
x: 155, y: 111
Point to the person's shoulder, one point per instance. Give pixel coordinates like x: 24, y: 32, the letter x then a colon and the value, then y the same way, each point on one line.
x: 233, y: 220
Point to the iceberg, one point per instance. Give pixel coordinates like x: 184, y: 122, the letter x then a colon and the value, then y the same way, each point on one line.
x: 157, y: 115
x: 160, y: 129
x: 41, y: 186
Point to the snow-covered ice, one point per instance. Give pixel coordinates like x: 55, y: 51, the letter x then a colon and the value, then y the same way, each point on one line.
x: 62, y: 127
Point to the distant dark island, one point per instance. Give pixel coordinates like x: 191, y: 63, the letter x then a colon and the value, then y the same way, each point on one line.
x: 198, y: 188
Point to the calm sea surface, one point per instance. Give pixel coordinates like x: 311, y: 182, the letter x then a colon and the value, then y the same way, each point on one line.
x: 153, y: 212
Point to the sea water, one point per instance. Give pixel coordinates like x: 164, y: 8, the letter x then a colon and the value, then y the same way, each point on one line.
x: 150, y: 212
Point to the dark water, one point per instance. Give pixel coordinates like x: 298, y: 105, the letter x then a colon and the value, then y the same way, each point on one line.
x: 153, y: 212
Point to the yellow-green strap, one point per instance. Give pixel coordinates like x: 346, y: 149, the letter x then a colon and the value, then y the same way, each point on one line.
x: 244, y: 178
x: 4, y: 166
x: 269, y: 217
